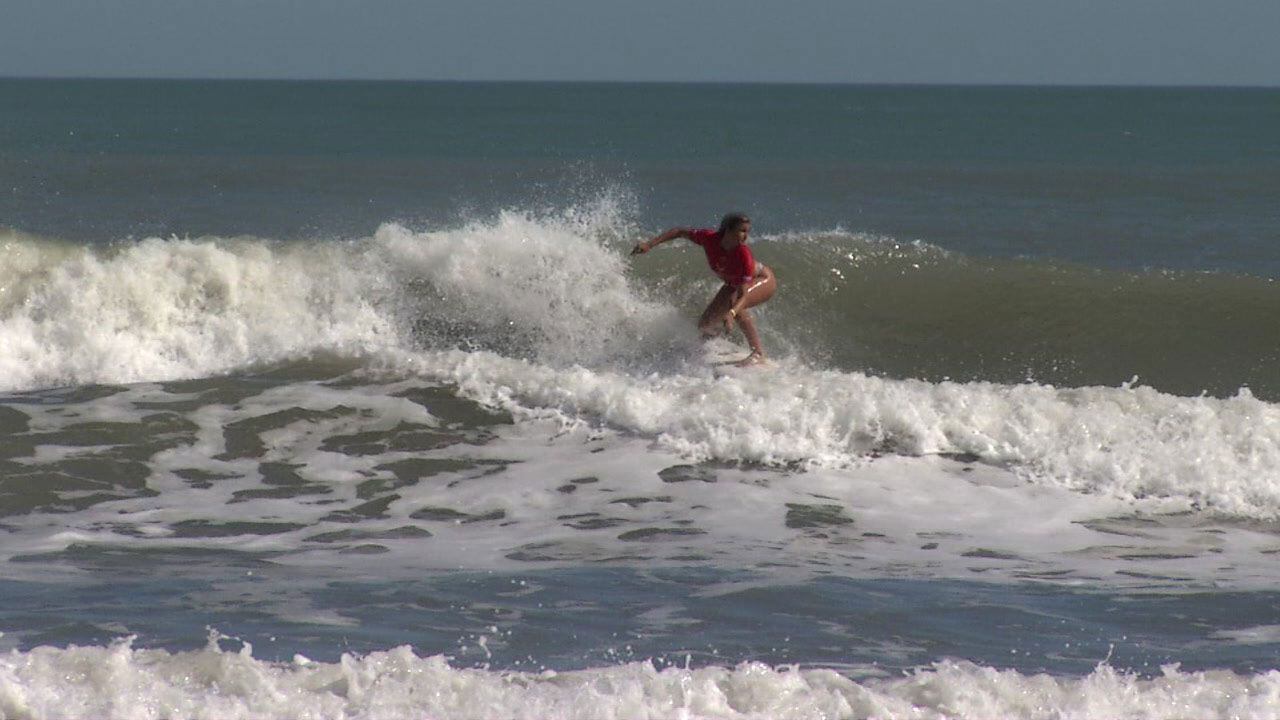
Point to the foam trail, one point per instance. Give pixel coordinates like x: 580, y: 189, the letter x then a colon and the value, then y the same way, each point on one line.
x: 124, y: 682
x: 1129, y: 442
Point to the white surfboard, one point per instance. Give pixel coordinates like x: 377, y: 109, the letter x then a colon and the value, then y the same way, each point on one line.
x: 723, y: 356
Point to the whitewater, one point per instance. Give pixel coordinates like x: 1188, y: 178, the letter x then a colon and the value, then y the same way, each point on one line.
x: 214, y: 683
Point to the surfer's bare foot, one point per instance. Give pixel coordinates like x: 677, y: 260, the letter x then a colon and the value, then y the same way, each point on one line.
x: 755, y: 358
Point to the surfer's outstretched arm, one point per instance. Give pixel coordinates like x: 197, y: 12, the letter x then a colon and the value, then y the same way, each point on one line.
x: 668, y: 235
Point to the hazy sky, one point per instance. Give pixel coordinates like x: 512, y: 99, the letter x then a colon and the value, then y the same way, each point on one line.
x: 1198, y: 42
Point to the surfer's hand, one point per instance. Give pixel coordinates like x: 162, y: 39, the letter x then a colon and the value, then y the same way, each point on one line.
x: 728, y: 323
x: 640, y: 248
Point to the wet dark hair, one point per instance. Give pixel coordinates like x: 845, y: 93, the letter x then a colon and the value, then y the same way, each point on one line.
x: 732, y: 221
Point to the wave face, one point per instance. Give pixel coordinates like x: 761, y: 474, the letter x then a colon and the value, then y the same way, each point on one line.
x: 915, y: 310
x: 879, y: 347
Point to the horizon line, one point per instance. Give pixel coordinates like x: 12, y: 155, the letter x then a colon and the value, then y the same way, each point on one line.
x: 502, y: 81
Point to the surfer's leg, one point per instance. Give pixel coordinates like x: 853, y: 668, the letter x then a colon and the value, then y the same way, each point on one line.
x: 748, y: 325
x: 711, y: 323
x: 760, y: 290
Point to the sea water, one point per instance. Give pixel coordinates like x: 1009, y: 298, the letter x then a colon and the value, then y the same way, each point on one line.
x: 344, y: 400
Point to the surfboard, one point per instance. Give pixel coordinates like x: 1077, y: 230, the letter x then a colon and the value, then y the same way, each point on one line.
x: 723, y: 357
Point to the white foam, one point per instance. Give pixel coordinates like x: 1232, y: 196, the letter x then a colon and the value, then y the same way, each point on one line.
x: 1256, y: 635
x: 120, y: 681
x: 1132, y: 442
x: 545, y: 287
x: 158, y: 310
x: 893, y: 516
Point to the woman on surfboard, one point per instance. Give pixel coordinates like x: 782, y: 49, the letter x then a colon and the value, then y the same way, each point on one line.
x: 747, y: 283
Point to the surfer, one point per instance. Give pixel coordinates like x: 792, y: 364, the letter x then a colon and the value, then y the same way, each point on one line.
x: 747, y: 283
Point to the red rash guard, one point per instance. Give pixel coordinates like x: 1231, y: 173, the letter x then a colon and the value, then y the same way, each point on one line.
x: 735, y: 266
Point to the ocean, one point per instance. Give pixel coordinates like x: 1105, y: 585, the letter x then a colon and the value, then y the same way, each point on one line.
x: 345, y: 400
